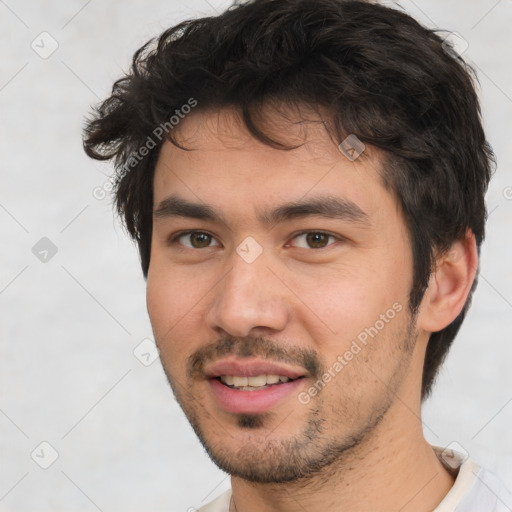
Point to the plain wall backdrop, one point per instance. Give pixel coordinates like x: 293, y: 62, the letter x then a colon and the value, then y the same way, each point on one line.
x: 73, y: 296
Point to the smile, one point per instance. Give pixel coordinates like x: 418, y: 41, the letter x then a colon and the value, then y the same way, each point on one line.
x: 252, y: 386
x: 252, y: 383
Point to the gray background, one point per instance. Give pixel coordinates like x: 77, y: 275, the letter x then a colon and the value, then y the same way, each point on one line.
x: 70, y: 324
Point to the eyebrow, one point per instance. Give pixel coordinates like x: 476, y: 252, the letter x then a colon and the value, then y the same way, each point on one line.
x: 323, y: 206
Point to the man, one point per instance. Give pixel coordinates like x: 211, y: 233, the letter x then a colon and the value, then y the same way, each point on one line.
x: 305, y: 181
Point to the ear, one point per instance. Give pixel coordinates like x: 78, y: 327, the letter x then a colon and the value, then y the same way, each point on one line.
x: 449, y: 285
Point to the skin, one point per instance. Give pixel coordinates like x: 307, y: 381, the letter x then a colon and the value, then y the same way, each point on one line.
x: 357, y: 445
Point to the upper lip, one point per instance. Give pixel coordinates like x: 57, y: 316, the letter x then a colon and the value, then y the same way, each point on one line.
x: 249, y: 368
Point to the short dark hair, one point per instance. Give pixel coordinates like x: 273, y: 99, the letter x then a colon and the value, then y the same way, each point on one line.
x: 378, y: 74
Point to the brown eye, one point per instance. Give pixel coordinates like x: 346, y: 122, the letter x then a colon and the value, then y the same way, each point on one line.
x: 317, y: 240
x: 195, y: 239
x: 314, y: 240
x: 200, y: 240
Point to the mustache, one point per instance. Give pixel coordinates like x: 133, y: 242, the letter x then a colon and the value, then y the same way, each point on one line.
x: 253, y: 347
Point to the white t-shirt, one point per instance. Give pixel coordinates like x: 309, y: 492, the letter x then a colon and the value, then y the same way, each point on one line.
x: 475, y: 489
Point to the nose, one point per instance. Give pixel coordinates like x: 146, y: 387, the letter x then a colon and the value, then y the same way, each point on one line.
x: 248, y: 299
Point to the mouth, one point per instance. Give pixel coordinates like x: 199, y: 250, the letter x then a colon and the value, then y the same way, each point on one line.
x: 252, y: 386
x: 255, y: 383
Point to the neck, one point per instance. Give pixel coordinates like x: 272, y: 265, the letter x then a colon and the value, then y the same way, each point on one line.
x: 394, y: 469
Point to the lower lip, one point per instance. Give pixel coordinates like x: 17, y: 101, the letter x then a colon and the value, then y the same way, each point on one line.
x: 252, y: 402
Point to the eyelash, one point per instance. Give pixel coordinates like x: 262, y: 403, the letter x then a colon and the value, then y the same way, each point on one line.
x: 174, y: 239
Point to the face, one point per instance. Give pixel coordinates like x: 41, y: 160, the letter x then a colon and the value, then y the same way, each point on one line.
x: 277, y: 291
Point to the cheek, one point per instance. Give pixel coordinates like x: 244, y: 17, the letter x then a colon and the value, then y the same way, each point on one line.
x: 175, y: 299
x: 166, y: 301
x: 342, y: 302
x: 366, y: 315
x: 165, y: 310
x: 158, y: 297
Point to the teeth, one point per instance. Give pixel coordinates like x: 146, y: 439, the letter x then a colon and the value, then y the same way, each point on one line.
x: 240, y: 381
x: 257, y: 381
x: 272, y: 379
x: 228, y: 379
x: 260, y: 380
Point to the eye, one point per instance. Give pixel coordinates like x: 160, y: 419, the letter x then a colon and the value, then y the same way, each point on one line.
x: 194, y: 239
x: 314, y: 240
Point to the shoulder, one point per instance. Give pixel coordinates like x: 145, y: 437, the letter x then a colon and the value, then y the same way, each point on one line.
x: 476, y: 489
x: 488, y: 493
x: 219, y: 504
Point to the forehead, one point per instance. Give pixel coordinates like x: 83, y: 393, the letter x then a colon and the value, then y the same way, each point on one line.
x: 229, y: 168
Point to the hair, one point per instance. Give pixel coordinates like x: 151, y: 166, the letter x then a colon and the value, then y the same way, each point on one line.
x: 373, y: 70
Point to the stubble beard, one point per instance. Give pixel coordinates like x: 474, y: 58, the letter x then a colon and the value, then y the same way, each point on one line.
x: 267, y: 458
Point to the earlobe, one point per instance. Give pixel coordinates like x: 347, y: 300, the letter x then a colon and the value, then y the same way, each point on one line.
x: 449, y: 285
